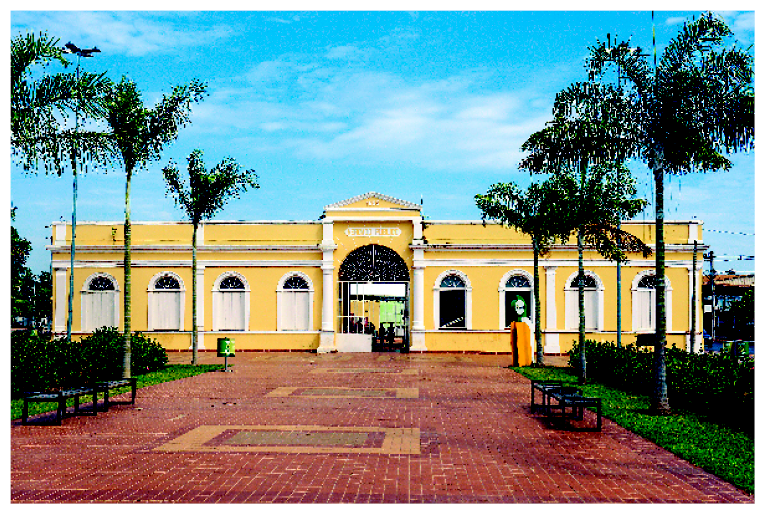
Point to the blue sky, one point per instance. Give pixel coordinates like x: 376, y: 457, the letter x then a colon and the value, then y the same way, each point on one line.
x: 328, y: 105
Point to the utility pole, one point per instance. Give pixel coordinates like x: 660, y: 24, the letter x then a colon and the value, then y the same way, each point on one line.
x: 711, y: 257
x: 79, y: 52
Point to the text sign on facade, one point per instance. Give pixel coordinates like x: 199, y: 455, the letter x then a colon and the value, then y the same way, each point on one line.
x: 372, y: 232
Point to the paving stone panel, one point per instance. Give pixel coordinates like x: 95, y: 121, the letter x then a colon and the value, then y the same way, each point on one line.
x: 467, y: 436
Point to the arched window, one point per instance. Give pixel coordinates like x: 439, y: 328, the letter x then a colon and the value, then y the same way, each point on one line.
x: 644, y: 301
x: 516, y: 298
x: 166, y: 302
x: 452, y: 301
x: 231, y: 302
x: 294, y: 298
x: 593, y: 302
x: 99, y: 302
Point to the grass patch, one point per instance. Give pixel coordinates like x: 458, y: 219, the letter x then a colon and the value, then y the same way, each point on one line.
x: 167, y: 374
x: 719, y: 450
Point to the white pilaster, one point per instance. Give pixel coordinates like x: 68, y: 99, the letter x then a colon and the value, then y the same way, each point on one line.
x: 200, y: 302
x: 418, y: 301
x: 327, y: 338
x: 59, y: 322
x: 552, y: 342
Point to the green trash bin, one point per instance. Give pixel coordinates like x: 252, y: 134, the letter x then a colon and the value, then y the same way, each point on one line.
x: 225, y: 350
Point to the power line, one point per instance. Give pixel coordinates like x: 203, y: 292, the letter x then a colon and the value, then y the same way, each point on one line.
x: 727, y: 232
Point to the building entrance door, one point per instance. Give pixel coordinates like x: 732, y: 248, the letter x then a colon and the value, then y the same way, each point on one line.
x: 373, y: 301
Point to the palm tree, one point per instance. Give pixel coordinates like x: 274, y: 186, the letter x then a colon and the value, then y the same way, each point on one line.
x: 535, y: 212
x: 206, y: 193
x: 584, y: 148
x: 685, y: 111
x: 140, y: 135
x: 37, y: 107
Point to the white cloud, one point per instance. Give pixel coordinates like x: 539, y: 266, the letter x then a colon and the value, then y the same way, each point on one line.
x: 118, y: 33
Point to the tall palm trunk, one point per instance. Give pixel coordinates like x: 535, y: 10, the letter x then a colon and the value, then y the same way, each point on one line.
x: 127, y: 266
x: 659, y: 401
x: 580, y: 291
x: 194, y: 330
x: 580, y: 276
x: 70, y: 297
x: 618, y: 280
x: 537, y: 307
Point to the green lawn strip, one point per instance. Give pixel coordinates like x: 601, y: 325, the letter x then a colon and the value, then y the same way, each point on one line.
x: 723, y: 452
x: 168, y: 374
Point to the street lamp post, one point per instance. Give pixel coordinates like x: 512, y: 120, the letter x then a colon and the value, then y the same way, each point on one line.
x: 79, y: 52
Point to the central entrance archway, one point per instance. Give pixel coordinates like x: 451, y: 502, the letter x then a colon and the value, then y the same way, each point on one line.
x: 373, y: 297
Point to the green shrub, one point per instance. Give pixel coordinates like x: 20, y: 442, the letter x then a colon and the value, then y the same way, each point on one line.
x: 40, y: 363
x: 717, y: 386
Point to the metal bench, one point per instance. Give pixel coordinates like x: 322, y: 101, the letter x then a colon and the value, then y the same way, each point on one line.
x: 60, y: 398
x: 566, y: 397
x: 104, y: 386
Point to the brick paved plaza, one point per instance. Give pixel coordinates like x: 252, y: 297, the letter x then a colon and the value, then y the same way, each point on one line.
x: 345, y: 428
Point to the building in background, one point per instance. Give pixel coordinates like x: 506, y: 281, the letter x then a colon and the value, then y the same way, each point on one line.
x: 729, y: 288
x: 371, y: 269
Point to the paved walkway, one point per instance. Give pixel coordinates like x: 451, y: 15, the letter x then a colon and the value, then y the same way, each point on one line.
x: 345, y: 428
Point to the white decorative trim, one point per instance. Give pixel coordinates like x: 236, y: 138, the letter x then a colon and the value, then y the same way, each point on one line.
x: 502, y: 290
x: 200, y: 305
x: 381, y: 219
x: 551, y: 313
x: 61, y: 306
x: 86, y: 284
x: 80, y: 264
x: 327, y: 340
x: 468, y: 298
x: 526, y: 263
x: 165, y: 273
x: 372, y: 194
x: 280, y: 300
x: 599, y: 288
x: 216, y: 299
x: 187, y: 248
x: 154, y: 295
x: 59, y: 233
x: 667, y: 300
x: 85, y: 315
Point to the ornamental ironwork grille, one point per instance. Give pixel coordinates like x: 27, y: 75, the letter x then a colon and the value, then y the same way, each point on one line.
x: 231, y: 283
x: 167, y: 282
x: 295, y: 282
x: 101, y: 284
x: 373, y: 263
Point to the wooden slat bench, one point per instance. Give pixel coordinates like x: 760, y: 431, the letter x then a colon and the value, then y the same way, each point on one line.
x: 105, y: 385
x: 60, y: 398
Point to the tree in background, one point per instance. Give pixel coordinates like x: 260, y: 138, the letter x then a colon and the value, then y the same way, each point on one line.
x: 683, y: 113
x: 30, y: 294
x: 536, y: 212
x: 139, y: 135
x: 205, y: 193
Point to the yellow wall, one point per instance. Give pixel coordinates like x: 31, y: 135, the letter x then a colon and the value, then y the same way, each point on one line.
x: 488, y: 253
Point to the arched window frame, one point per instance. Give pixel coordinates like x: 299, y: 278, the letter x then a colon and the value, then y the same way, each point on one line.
x: 217, y: 302
x: 571, y: 292
x: 504, y: 289
x: 638, y: 303
x: 282, y: 323
x: 87, y: 300
x: 437, y: 299
x: 157, y: 298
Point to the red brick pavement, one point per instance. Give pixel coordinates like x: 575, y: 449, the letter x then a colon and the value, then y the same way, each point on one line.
x: 477, y: 441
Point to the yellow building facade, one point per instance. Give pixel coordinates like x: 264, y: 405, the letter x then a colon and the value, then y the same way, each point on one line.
x: 370, y: 273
